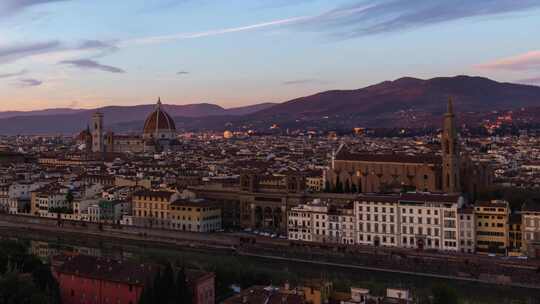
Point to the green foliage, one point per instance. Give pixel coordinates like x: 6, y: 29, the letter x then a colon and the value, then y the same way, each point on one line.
x: 167, y: 289
x: 347, y: 187
x: 69, y: 197
x: 442, y: 294
x: 327, y: 187
x: 339, y: 186
x: 515, y: 196
x: 24, y: 278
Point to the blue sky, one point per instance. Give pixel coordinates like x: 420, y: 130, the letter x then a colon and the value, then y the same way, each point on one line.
x: 88, y: 53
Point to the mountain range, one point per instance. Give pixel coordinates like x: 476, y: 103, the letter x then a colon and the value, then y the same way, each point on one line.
x: 405, y: 102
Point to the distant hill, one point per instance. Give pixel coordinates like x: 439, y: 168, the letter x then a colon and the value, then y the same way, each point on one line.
x: 376, y: 104
x: 57, y: 111
x: 405, y: 102
x: 68, y: 121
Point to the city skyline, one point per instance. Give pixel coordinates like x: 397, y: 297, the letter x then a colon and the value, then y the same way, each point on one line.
x: 249, y: 52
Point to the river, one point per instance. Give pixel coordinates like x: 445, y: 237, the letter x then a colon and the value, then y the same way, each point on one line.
x: 245, y: 271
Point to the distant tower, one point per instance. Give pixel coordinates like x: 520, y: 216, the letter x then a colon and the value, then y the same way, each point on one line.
x: 450, y: 152
x: 97, y: 133
x: 88, y: 140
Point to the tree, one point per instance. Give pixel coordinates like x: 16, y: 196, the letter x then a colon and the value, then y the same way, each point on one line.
x: 339, y: 186
x: 443, y: 294
x: 354, y: 189
x: 347, y: 186
x: 166, y: 288
x: 24, y: 278
x: 183, y: 290
x: 327, y: 187
x: 69, y: 197
x: 15, y: 288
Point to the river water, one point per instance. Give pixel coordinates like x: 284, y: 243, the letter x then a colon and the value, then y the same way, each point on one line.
x: 244, y: 271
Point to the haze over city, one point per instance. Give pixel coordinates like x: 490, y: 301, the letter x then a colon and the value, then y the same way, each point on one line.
x: 84, y: 54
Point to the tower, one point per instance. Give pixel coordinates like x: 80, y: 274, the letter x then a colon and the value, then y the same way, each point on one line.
x: 97, y: 133
x: 87, y: 140
x: 450, y: 152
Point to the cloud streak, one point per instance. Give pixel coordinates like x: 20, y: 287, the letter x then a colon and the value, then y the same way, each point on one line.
x: 216, y: 32
x: 18, y: 51
x: 92, y: 65
x: 8, y: 7
x: 14, y: 74
x: 368, y: 17
x: 372, y: 17
x: 14, y: 52
x: 28, y: 82
x: 522, y: 62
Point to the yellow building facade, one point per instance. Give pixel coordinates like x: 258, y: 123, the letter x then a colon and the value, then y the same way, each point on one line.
x: 195, y: 216
x: 152, y: 208
x: 492, y: 229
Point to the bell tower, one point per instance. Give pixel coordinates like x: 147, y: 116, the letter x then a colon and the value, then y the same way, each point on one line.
x: 97, y: 133
x: 450, y: 152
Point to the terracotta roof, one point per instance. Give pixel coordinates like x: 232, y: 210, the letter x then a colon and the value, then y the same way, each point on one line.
x: 491, y: 204
x: 108, y: 270
x: 158, y: 120
x: 164, y: 194
x: 390, y: 158
x: 414, y: 197
x: 264, y: 295
x: 429, y: 197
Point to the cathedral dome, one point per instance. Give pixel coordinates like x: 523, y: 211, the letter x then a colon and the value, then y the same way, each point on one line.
x: 159, y: 124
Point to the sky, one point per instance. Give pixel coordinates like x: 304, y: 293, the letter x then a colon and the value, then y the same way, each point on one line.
x: 92, y: 53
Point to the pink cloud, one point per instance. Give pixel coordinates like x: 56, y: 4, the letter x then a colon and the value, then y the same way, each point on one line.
x: 522, y: 62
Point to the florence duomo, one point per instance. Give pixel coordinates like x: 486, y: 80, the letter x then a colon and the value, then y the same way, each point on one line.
x: 158, y: 135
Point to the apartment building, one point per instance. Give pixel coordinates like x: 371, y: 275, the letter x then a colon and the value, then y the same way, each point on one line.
x: 4, y: 198
x: 492, y: 227
x: 310, y: 222
x: 467, y: 232
x: 347, y: 224
x: 152, y: 208
x: 515, y: 235
x: 377, y: 220
x: 412, y: 220
x: 429, y: 221
x: 196, y: 215
x: 530, y: 225
x: 49, y: 199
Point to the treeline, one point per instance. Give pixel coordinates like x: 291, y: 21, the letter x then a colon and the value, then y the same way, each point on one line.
x: 168, y: 287
x: 24, y: 278
x: 515, y: 196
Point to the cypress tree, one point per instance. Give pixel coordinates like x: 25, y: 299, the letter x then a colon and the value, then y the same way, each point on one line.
x: 339, y: 186
x: 353, y: 188
x: 182, y: 288
x: 347, y: 187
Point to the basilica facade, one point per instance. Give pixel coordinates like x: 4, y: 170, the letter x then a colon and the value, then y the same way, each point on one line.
x: 448, y: 172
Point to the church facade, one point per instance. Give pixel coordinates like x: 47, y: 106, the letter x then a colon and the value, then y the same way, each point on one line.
x: 159, y: 134
x: 448, y: 172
